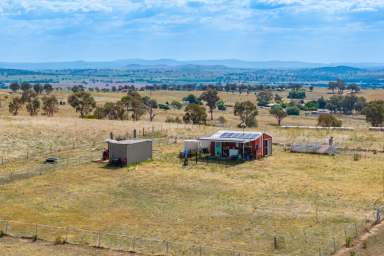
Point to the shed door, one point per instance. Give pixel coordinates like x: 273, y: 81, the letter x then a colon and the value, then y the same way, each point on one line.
x: 218, y: 149
x: 269, y: 147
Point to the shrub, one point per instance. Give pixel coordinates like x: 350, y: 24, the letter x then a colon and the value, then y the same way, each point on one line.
x: 328, y: 120
x: 293, y: 110
x: 170, y: 119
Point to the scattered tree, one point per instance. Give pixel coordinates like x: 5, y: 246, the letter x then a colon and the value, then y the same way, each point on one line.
x: 321, y: 102
x: 296, y: 94
x: 192, y: 99
x: 211, y: 98
x: 25, y: 86
x: 50, y: 105
x: 15, y: 105
x: 82, y: 102
x: 14, y: 87
x: 38, y: 88
x: 33, y: 106
x: 374, y: 113
x: 134, y: 103
x: 48, y: 88
x: 264, y: 98
x: 195, y: 113
x: 293, y: 110
x: 150, y: 105
x: 247, y: 111
x: 279, y: 113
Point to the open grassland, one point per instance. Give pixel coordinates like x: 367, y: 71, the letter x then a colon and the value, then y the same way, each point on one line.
x: 306, y: 199
x: 18, y: 247
x: 294, y: 196
x: 23, y: 135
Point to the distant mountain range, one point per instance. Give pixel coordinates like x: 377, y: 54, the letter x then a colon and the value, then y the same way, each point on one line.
x: 137, y: 63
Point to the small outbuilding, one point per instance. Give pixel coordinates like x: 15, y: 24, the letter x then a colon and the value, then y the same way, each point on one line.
x: 127, y: 152
x: 239, y: 145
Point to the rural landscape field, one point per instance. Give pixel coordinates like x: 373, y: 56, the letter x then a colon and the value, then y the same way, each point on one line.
x: 286, y: 204
x: 192, y: 128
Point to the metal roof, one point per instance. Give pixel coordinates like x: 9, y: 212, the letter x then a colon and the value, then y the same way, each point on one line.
x: 125, y: 142
x: 233, y: 136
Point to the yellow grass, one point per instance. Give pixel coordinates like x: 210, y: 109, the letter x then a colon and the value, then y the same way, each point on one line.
x: 241, y: 206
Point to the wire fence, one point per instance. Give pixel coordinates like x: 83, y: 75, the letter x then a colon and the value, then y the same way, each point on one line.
x: 309, y: 242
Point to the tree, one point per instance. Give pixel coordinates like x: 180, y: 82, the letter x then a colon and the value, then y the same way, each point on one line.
x: 134, y: 103
x: 278, y: 98
x: 360, y: 104
x: 354, y: 88
x: 334, y: 103
x: 374, y: 113
x: 48, y: 88
x: 332, y: 86
x: 15, y: 105
x: 329, y: 120
x: 28, y: 95
x: 14, y: 87
x: 82, y: 102
x: 279, y: 113
x: 112, y: 111
x: 247, y: 111
x: 192, y: 99
x: 33, y: 106
x: 25, y: 86
x: 264, y: 98
x: 321, y: 102
x: 38, y: 88
x: 50, y: 105
x: 176, y: 104
x: 211, y: 98
x: 150, y: 105
x: 340, y: 85
x: 195, y: 113
x: 296, y: 94
x: 293, y: 110
x: 348, y: 104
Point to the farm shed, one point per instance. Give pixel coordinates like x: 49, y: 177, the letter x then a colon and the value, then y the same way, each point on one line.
x: 239, y: 145
x: 129, y: 151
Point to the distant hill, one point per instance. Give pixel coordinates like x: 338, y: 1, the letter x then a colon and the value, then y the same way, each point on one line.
x: 336, y: 70
x: 13, y: 72
x: 138, y: 63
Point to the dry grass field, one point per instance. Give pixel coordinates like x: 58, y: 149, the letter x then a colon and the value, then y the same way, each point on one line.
x: 19, y: 247
x: 307, y: 199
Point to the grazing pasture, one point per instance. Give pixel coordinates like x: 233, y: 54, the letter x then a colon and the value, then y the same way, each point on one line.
x: 306, y: 202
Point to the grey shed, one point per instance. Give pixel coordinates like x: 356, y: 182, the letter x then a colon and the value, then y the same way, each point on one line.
x: 130, y: 151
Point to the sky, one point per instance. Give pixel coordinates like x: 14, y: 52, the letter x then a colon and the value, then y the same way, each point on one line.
x: 296, y: 30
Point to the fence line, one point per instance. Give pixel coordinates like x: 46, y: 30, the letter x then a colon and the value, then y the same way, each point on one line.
x: 114, y: 241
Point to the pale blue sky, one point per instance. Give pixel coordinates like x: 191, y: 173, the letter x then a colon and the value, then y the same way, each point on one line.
x: 303, y: 30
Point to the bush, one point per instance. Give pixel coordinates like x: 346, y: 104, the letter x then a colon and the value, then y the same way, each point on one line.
x: 170, y: 119
x: 293, y: 110
x: 328, y: 120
